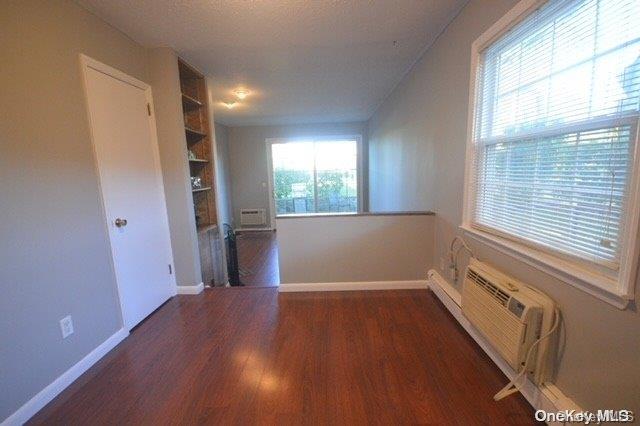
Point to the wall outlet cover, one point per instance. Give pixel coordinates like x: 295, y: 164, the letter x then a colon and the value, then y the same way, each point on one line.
x: 66, y: 326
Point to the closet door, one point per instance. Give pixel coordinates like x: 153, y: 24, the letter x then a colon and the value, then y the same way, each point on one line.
x: 128, y: 164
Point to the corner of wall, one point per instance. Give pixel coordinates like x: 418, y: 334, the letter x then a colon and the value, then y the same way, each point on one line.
x: 165, y: 85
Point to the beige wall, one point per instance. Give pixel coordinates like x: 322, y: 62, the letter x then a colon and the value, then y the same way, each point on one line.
x: 167, y: 98
x: 54, y: 251
x: 354, y: 248
x: 427, y: 114
x: 248, y: 159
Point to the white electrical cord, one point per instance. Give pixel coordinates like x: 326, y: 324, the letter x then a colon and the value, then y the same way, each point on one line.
x: 453, y: 257
x: 512, y: 387
x: 463, y: 244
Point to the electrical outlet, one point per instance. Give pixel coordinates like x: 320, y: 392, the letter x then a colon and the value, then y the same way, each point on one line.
x: 66, y: 326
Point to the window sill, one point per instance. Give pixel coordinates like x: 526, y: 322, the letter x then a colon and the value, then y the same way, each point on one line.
x: 597, y: 285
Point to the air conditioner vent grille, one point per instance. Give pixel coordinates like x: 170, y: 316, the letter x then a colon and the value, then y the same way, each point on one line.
x: 510, y: 316
x: 493, y: 290
x: 253, y: 217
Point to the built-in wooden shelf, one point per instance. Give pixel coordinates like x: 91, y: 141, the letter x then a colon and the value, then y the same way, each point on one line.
x: 205, y: 227
x: 198, y: 160
x: 189, y: 103
x: 206, y: 188
x: 194, y: 134
x: 199, y: 138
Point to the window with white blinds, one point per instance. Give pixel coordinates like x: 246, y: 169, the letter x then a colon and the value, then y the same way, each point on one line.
x: 555, y: 128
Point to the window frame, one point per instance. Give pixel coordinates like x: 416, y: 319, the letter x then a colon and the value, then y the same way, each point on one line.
x: 359, y: 172
x: 617, y: 290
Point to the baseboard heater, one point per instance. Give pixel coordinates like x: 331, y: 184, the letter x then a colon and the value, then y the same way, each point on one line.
x: 514, y: 319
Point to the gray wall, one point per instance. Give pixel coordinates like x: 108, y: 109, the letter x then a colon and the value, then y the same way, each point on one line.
x: 427, y: 115
x: 54, y: 251
x: 248, y: 159
x: 401, y: 150
x: 167, y: 99
x: 386, y: 248
x: 223, y: 178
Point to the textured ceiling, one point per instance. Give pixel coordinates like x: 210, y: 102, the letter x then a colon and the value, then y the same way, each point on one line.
x: 304, y: 61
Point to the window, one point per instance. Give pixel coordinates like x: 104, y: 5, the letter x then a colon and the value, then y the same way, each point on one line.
x: 315, y: 176
x: 553, y: 136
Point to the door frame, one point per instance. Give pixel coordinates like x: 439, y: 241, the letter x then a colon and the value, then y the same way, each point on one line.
x: 359, y: 164
x: 87, y: 63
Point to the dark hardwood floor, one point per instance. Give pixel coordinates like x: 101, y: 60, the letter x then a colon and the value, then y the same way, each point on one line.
x: 258, y: 259
x: 253, y: 356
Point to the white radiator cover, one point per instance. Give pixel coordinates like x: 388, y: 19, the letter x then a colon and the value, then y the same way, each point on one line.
x: 253, y: 217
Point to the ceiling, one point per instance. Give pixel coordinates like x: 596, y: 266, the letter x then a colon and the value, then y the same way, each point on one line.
x: 303, y: 61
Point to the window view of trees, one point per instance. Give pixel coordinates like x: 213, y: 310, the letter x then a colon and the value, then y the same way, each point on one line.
x: 560, y: 97
x: 315, y: 177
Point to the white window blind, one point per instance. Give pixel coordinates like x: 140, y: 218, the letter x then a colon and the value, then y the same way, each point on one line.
x: 558, y: 100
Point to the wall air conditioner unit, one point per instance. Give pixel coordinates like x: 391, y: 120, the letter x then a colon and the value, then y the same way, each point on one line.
x: 511, y: 316
x: 253, y: 217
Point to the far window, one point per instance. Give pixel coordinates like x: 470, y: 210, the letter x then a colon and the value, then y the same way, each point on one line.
x: 315, y: 176
x: 555, y: 131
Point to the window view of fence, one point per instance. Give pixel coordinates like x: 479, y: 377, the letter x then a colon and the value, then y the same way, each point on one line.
x: 315, y: 176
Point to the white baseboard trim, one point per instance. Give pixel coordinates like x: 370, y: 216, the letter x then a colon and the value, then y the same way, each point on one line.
x: 191, y: 289
x: 353, y: 286
x: 546, y: 397
x: 46, y: 395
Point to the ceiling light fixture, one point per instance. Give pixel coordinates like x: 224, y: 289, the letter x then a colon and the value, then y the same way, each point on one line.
x: 230, y: 105
x: 241, y: 93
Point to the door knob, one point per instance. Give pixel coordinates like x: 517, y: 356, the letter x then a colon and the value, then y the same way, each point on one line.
x: 121, y: 222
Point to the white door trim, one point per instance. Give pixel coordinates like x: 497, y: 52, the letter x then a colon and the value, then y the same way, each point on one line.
x: 87, y: 63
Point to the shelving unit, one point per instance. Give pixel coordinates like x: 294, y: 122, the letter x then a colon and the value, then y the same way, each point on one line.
x: 194, y: 135
x: 199, y: 138
x: 206, y: 188
x: 198, y: 133
x: 189, y: 103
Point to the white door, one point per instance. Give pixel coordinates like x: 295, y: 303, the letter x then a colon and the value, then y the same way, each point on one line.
x: 128, y: 163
